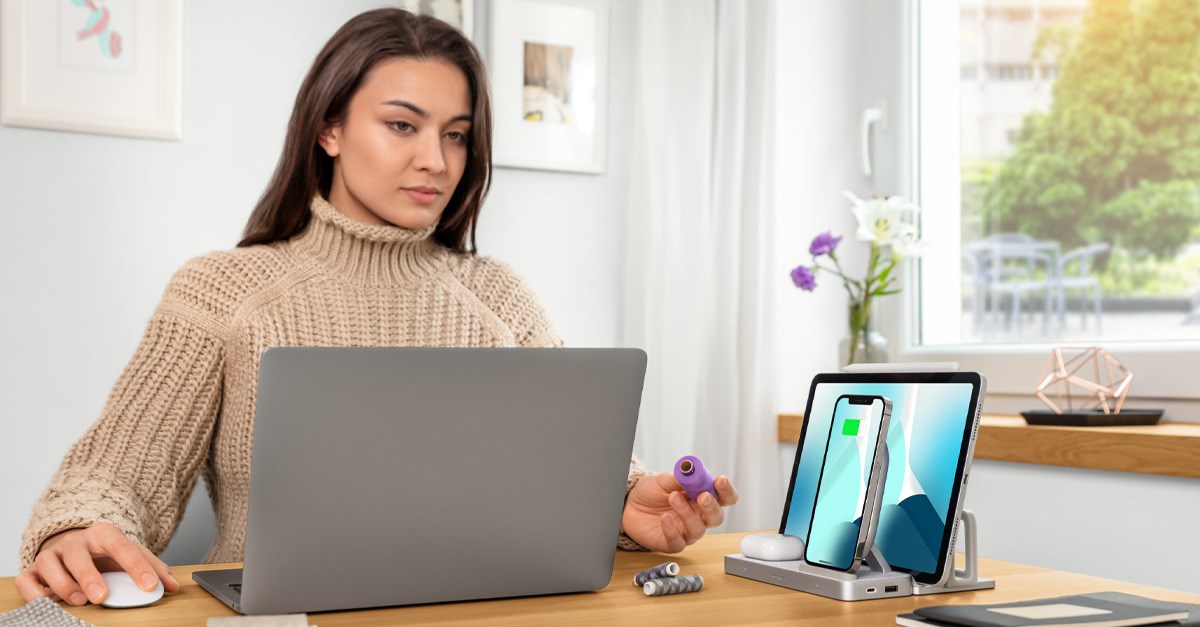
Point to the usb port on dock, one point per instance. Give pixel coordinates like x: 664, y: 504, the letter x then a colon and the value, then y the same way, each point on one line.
x: 872, y: 590
x: 891, y: 588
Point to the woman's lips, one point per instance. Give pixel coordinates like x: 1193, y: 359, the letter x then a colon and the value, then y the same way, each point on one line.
x: 423, y: 195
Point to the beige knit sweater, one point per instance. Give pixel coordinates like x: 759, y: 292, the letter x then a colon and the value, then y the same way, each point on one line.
x: 185, y: 403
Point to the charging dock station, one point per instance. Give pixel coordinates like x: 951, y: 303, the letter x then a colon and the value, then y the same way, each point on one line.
x: 874, y: 578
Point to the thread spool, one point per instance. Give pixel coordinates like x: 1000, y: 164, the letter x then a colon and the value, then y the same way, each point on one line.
x: 667, y: 569
x: 694, y: 477
x: 673, y: 585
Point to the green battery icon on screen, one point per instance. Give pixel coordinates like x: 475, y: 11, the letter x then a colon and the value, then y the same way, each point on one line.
x: 850, y: 427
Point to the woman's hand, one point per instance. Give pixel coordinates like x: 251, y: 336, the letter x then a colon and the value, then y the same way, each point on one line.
x: 659, y: 515
x: 69, y: 564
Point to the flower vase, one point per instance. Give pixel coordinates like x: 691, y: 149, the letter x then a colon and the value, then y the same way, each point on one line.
x: 863, y: 345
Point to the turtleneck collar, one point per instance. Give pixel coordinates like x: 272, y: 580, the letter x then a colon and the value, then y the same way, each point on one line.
x: 366, y: 253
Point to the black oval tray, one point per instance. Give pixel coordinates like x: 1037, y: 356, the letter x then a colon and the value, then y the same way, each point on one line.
x: 1095, y: 418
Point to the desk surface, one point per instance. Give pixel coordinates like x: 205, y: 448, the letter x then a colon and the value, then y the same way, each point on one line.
x: 725, y: 599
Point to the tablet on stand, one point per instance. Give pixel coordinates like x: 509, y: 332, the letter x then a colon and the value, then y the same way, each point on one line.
x: 876, y: 578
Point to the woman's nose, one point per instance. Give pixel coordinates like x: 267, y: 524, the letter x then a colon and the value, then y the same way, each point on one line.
x: 429, y: 156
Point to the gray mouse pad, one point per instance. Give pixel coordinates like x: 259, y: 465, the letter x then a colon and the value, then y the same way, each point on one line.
x: 40, y: 612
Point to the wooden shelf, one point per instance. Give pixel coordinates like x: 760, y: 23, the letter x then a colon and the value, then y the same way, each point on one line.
x: 1171, y: 449
x: 789, y: 427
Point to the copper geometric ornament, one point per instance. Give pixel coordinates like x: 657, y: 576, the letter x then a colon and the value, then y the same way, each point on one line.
x: 1067, y: 374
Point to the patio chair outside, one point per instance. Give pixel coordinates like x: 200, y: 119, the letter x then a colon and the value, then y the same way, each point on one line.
x: 1013, y: 267
x: 1082, y: 280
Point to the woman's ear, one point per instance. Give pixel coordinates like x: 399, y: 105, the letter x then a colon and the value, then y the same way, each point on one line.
x: 329, y: 140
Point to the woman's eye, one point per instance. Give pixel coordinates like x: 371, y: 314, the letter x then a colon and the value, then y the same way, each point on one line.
x: 403, y: 127
x: 457, y: 136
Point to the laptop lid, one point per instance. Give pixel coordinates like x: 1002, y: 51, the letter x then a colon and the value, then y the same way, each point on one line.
x: 394, y: 476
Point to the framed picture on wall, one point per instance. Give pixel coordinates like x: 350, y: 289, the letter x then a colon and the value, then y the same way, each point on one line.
x: 549, y: 68
x: 111, y: 67
x: 458, y: 13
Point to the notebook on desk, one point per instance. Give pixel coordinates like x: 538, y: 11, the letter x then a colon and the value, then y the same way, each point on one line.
x: 1101, y: 609
x: 396, y: 476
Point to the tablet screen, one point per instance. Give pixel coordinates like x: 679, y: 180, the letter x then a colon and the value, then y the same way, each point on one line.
x: 927, y: 444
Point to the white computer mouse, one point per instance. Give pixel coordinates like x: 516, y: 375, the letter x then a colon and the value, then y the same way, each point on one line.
x: 773, y: 547
x: 124, y: 593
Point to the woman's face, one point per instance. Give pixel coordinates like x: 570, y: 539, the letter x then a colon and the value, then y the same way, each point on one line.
x: 400, y: 151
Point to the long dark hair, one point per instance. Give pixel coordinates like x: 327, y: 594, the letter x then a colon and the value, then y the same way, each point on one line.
x: 304, y: 169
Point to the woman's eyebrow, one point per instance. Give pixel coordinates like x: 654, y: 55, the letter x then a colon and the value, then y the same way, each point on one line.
x: 423, y: 113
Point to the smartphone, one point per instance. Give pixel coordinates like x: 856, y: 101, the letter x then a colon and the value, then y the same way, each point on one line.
x: 850, y: 482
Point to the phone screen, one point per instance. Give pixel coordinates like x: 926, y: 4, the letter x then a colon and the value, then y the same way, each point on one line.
x: 845, y: 475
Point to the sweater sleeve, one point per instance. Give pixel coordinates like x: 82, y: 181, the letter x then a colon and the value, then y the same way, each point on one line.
x: 636, y: 472
x: 526, y: 316
x: 506, y: 294
x: 136, y: 465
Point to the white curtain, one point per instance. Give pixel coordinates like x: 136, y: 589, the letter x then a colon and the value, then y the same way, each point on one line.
x: 700, y: 259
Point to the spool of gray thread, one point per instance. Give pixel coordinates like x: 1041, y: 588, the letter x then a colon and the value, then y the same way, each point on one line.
x: 666, y: 569
x: 673, y: 585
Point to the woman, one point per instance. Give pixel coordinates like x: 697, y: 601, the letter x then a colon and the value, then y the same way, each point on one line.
x: 363, y: 237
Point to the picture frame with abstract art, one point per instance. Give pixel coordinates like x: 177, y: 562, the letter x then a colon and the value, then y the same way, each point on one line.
x: 549, y: 67
x: 457, y: 13
x: 111, y: 67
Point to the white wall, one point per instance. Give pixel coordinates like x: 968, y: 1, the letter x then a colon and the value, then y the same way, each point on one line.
x: 92, y: 227
x: 1120, y: 525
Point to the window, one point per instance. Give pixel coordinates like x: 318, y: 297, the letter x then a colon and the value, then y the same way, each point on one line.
x: 1064, y: 205
x: 1009, y: 71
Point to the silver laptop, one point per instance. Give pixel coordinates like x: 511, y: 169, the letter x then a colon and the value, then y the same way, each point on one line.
x: 395, y: 476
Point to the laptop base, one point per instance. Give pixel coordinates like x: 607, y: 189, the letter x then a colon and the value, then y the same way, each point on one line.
x: 224, y: 584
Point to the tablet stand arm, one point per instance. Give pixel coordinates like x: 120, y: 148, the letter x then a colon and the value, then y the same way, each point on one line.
x: 968, y: 577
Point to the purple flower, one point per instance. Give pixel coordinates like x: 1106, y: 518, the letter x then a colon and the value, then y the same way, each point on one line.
x: 804, y: 278
x: 823, y: 244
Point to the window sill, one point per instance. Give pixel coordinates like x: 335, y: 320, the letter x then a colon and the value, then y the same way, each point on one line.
x: 1170, y: 449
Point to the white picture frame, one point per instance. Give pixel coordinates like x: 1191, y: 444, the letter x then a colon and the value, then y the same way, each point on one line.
x: 457, y: 13
x: 110, y: 67
x: 549, y: 68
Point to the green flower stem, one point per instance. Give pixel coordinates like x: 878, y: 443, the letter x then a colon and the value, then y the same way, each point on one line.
x: 878, y: 281
x: 850, y: 284
x: 860, y: 313
x: 860, y: 304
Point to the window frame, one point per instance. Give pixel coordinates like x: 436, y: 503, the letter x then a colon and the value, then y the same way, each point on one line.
x: 1012, y: 369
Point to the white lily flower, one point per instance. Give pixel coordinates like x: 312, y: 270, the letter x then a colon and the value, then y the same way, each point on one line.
x: 909, y: 245
x: 885, y: 221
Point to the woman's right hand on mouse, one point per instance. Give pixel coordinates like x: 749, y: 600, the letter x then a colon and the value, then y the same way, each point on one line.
x: 68, y: 565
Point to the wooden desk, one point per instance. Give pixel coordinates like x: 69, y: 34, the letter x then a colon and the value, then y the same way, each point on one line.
x: 725, y: 600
